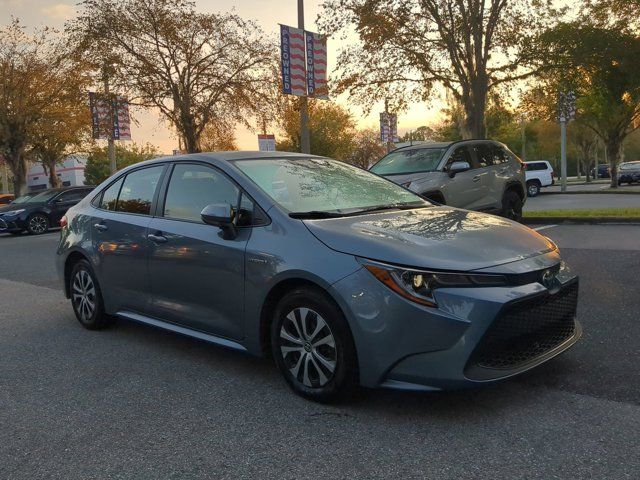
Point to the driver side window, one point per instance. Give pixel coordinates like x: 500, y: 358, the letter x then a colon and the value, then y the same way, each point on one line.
x: 460, y: 154
x: 192, y: 187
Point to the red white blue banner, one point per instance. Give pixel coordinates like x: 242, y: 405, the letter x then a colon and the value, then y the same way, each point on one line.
x: 109, y: 115
x: 316, y: 49
x: 292, y: 58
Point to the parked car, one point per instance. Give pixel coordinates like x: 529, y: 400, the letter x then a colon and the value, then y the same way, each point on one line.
x: 478, y: 175
x: 37, y: 213
x: 603, y: 171
x: 342, y: 276
x: 628, y: 172
x: 538, y: 174
x: 6, y: 198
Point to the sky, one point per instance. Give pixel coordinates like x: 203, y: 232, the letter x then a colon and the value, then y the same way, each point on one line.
x: 151, y: 128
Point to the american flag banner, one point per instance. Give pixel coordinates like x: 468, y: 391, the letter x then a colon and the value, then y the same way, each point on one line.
x: 385, y: 134
x: 316, y: 48
x: 102, y: 122
x: 292, y: 47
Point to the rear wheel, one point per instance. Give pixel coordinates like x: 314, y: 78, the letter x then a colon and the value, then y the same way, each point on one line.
x: 533, y: 188
x: 512, y: 206
x: 86, y: 297
x: 37, y: 224
x: 312, y: 345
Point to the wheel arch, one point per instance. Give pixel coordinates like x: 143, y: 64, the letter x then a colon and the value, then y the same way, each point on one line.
x: 73, y: 258
x: 517, y: 187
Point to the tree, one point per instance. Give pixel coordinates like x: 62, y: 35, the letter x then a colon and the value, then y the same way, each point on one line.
x: 97, y: 168
x: 601, y: 65
x: 367, y: 148
x: 36, y: 72
x: 217, y: 137
x: 470, y: 47
x: 193, y: 67
x: 331, y: 128
x: 420, y: 134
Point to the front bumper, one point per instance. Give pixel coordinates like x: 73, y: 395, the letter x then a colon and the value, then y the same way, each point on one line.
x: 403, y: 345
x: 11, y: 224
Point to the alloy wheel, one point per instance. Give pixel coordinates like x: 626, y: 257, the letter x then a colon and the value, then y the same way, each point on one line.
x: 38, y: 224
x: 308, y: 347
x: 84, y: 295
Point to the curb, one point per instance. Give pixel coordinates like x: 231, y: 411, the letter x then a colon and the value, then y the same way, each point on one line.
x: 593, y: 192
x: 580, y: 220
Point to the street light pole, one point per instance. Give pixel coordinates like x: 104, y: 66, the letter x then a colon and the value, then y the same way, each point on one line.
x: 305, y: 141
x: 111, y: 144
x: 563, y: 154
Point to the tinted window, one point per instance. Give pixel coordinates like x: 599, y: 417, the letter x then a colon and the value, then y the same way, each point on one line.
x: 460, y: 154
x: 72, y: 196
x: 110, y: 196
x: 499, y: 155
x: 536, y: 166
x: 138, y: 189
x: 193, y: 187
x: 410, y: 161
x: 484, y: 154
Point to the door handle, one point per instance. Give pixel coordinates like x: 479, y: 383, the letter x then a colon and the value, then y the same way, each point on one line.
x: 101, y: 227
x: 157, y: 238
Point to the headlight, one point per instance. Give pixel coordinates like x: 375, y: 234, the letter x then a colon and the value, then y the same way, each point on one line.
x: 13, y: 212
x: 419, y: 286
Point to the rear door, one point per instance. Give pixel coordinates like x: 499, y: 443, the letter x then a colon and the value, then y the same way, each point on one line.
x: 464, y: 190
x: 119, y: 235
x: 493, y: 172
x: 197, y: 275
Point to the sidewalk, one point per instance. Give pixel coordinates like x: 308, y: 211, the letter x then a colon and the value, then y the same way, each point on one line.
x: 581, y: 202
x: 598, y: 186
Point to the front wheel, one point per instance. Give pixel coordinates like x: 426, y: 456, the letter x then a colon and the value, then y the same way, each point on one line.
x: 37, y: 224
x: 512, y: 206
x: 313, y: 347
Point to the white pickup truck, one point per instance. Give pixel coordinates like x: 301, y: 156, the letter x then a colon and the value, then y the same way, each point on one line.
x: 538, y: 174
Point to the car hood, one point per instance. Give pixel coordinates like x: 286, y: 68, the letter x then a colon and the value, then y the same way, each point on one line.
x: 441, y: 238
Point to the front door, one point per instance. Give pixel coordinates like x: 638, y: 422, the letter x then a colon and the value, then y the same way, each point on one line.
x: 465, y: 189
x: 119, y: 235
x: 196, y: 275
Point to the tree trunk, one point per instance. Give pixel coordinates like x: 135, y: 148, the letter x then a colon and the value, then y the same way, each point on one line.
x: 613, y: 154
x: 50, y: 167
x: 474, y: 109
x: 19, y: 171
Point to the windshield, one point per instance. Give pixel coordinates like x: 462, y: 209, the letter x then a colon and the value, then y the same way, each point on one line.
x: 322, y: 185
x: 42, y: 197
x: 22, y: 199
x: 630, y: 166
x: 409, y: 161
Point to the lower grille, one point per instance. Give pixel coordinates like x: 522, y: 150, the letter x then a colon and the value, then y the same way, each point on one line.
x: 528, y: 329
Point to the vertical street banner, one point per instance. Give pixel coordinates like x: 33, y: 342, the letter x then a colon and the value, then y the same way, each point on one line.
x: 109, y: 117
x: 385, y: 136
x: 393, y: 127
x: 292, y: 58
x: 316, y: 50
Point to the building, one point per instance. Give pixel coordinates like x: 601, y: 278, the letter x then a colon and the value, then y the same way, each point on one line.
x: 70, y: 172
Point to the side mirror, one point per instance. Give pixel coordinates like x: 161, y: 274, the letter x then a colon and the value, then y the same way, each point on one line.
x: 220, y: 215
x: 457, y: 167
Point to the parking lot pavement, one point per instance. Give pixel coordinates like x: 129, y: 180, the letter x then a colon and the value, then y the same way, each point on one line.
x: 134, y: 402
x: 581, y: 201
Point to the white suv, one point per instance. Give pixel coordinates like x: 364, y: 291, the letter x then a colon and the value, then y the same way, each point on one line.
x: 539, y: 174
x: 474, y: 174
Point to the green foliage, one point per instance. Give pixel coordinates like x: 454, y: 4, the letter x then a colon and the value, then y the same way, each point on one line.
x: 331, y: 129
x: 97, y: 168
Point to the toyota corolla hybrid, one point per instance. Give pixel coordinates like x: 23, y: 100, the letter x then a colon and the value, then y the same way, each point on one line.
x: 344, y: 277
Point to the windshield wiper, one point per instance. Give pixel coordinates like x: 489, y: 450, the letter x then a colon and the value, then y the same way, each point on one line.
x: 393, y: 206
x: 314, y: 214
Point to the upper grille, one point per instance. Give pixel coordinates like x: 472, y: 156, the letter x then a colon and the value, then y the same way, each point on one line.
x: 528, y: 329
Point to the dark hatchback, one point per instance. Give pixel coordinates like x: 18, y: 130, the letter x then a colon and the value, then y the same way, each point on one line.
x: 38, y: 213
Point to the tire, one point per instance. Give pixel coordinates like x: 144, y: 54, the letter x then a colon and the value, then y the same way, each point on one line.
x: 37, y: 224
x: 533, y: 188
x: 326, y: 370
x: 512, y: 206
x: 90, y: 311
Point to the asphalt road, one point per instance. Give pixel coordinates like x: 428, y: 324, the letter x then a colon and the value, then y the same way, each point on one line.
x: 135, y: 402
x: 579, y: 201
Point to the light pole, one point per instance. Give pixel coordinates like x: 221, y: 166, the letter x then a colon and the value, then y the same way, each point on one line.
x: 111, y: 149
x: 566, y: 112
x: 523, y: 124
x: 305, y: 141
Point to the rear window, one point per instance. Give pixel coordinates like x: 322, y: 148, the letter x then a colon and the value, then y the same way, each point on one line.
x: 630, y: 166
x: 409, y: 161
x: 537, y: 166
